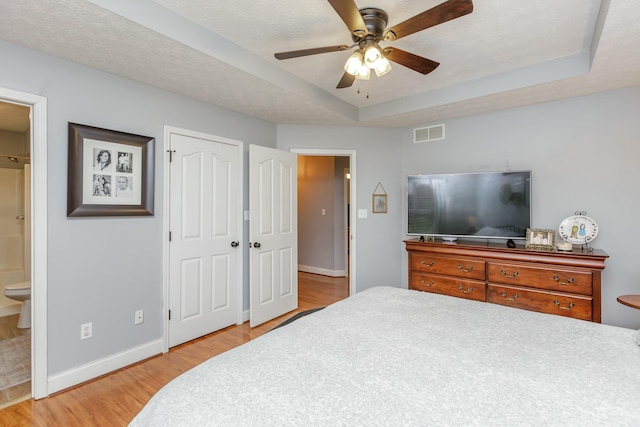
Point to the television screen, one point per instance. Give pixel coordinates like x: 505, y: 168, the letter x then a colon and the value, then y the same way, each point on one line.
x: 481, y: 205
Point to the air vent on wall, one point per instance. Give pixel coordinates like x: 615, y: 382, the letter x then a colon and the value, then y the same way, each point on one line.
x: 430, y: 133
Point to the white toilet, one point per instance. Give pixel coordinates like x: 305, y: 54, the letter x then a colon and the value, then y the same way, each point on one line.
x: 21, y: 291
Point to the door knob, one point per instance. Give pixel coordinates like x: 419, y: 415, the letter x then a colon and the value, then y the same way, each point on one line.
x: 235, y: 244
x: 257, y: 245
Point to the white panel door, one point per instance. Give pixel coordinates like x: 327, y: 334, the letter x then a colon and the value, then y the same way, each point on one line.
x: 205, y: 227
x: 273, y: 200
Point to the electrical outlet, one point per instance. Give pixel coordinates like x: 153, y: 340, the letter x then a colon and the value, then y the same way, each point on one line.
x: 139, y: 317
x: 86, y: 331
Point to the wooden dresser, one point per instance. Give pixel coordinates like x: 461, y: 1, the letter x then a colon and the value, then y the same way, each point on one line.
x: 562, y: 283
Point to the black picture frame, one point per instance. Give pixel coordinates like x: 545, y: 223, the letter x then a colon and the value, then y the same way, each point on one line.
x: 91, y: 189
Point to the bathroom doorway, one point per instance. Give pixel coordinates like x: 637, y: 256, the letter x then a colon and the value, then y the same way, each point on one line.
x: 15, y: 249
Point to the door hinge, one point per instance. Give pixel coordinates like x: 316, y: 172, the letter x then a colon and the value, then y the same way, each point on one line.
x: 171, y: 155
x: 169, y: 236
x: 169, y: 314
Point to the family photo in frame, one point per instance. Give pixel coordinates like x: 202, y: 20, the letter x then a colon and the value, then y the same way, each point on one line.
x: 110, y: 173
x: 542, y: 239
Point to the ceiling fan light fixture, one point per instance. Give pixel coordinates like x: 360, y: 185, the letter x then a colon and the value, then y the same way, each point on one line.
x: 354, y: 63
x: 372, y: 55
x: 383, y: 66
x: 364, y: 73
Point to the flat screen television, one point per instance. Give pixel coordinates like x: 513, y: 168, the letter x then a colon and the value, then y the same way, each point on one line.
x: 486, y: 205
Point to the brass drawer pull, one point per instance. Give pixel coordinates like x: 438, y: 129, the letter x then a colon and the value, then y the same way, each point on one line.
x: 556, y: 302
x: 468, y: 291
x: 504, y: 273
x: 568, y: 282
x: 504, y: 294
x: 468, y: 269
x: 424, y: 282
x: 425, y: 264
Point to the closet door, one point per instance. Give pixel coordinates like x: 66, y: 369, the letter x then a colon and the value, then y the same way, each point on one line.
x: 205, y: 260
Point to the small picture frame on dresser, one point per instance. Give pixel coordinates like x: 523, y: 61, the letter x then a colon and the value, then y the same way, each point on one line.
x: 541, y: 239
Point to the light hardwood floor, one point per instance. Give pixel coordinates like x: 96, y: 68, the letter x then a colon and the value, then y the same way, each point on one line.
x: 114, y: 399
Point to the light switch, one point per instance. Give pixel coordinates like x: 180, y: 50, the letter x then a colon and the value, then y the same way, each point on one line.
x: 362, y: 213
x: 324, y: 212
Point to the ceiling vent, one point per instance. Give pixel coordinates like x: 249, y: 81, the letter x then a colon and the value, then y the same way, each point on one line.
x: 430, y: 133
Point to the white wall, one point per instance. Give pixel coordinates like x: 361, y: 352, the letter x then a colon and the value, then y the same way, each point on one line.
x: 101, y: 270
x: 583, y: 153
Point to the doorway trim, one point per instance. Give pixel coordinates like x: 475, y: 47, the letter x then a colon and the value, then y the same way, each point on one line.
x: 352, y: 214
x: 38, y: 146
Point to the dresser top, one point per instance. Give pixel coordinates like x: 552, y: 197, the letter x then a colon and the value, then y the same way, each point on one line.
x: 492, y: 250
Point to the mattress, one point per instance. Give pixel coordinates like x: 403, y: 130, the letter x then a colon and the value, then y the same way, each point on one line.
x: 389, y: 356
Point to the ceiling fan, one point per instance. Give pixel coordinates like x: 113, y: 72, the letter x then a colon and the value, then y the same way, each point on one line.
x: 368, y: 28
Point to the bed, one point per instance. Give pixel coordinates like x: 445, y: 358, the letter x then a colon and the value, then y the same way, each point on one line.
x: 389, y: 356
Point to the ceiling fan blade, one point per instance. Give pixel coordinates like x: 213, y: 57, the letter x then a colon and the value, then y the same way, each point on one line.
x: 349, y: 13
x: 312, y: 51
x: 346, y: 81
x: 444, y: 12
x: 409, y: 60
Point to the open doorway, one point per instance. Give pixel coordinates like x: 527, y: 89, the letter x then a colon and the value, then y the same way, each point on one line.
x: 36, y: 234
x: 326, y: 227
x: 15, y: 251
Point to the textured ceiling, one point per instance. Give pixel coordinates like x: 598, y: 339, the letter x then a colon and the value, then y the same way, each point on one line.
x: 505, y: 53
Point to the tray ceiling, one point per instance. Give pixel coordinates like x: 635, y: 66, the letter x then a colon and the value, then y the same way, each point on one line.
x: 506, y: 53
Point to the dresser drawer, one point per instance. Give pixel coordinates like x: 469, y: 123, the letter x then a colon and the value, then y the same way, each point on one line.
x: 576, y: 306
x: 463, y: 288
x: 541, y: 277
x: 459, y: 267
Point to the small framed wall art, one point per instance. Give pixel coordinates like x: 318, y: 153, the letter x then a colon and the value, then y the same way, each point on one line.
x: 110, y: 173
x: 379, y: 200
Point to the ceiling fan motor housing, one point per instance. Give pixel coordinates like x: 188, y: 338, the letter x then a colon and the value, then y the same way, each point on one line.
x: 375, y: 20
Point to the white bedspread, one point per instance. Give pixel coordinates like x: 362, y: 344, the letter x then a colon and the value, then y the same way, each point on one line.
x: 389, y: 356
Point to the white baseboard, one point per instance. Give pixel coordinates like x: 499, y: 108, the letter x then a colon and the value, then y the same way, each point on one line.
x: 323, y: 271
x: 97, y: 368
